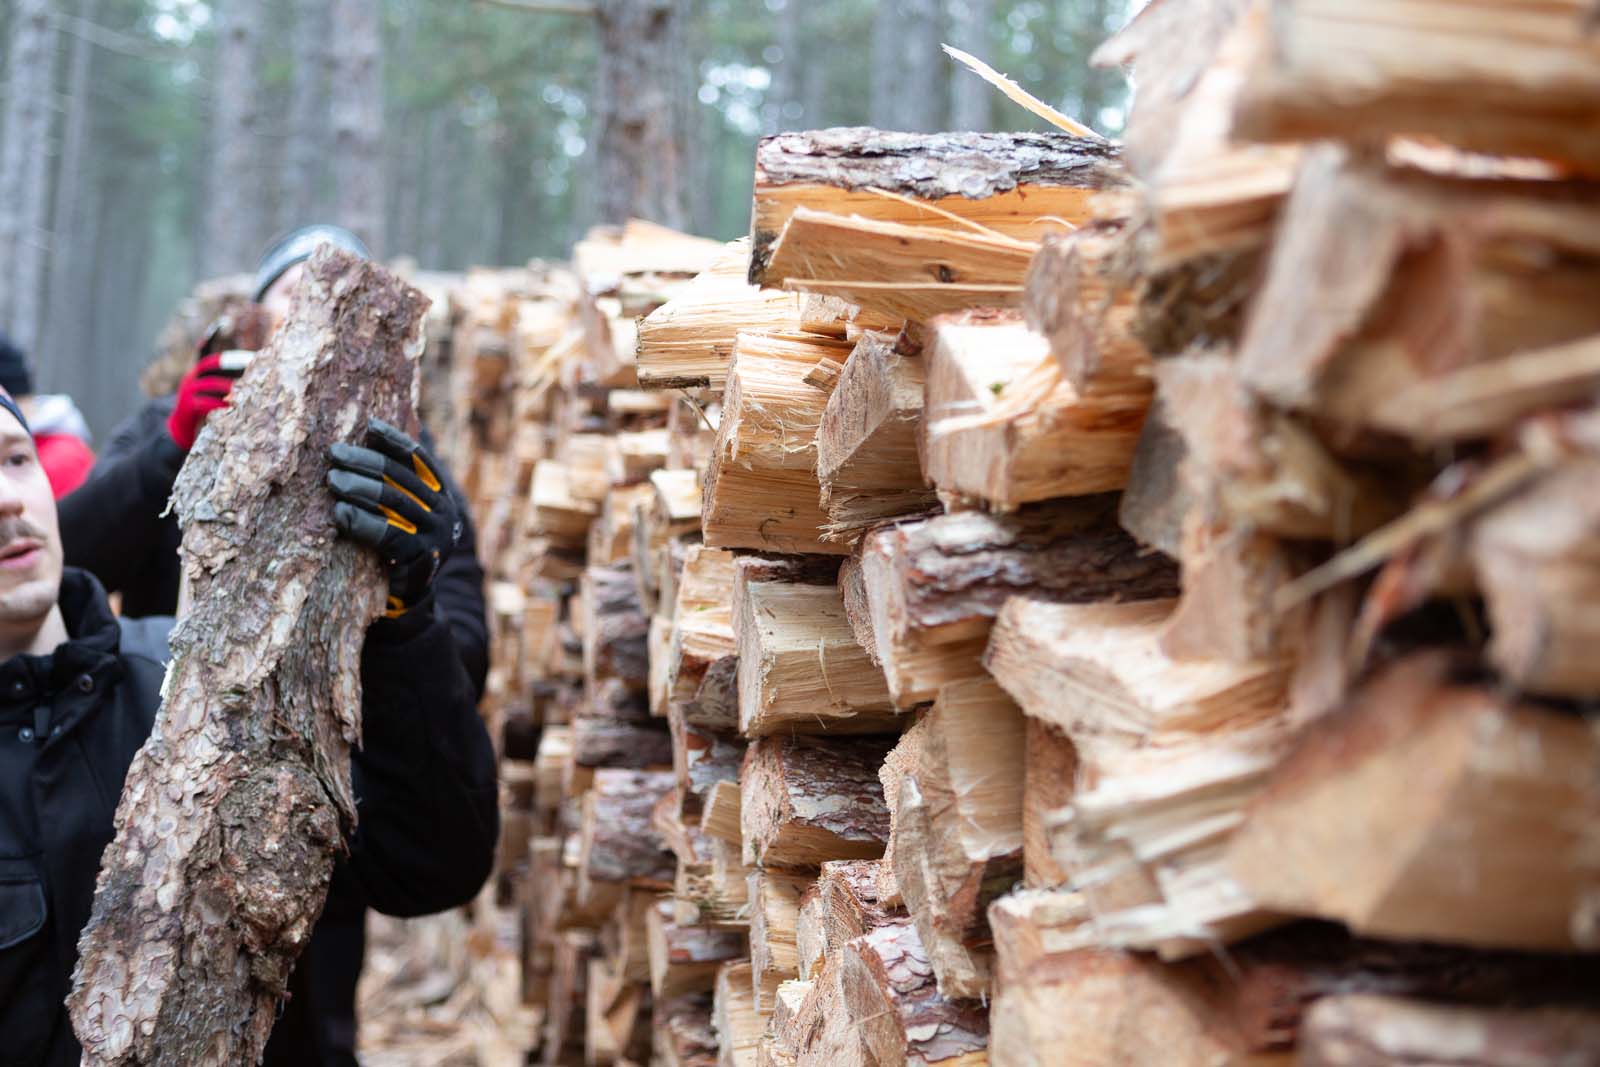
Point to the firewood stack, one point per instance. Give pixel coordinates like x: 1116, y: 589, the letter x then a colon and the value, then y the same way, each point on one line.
x: 1085, y: 604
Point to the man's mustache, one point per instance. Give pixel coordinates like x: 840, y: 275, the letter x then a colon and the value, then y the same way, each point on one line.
x: 15, y: 529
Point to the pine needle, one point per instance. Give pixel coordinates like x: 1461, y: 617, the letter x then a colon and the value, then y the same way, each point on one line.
x: 1020, y: 95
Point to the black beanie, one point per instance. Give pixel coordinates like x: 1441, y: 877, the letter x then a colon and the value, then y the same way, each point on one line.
x: 296, y: 246
x: 15, y: 377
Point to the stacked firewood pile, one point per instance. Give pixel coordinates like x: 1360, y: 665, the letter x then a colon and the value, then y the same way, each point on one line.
x: 1041, y: 602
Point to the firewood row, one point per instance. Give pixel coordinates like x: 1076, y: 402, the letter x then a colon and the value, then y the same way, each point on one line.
x: 1044, y: 601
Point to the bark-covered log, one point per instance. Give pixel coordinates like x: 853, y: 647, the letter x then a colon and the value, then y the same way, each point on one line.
x: 684, y: 1037
x: 600, y: 742
x: 235, y: 808
x: 616, y: 631
x: 842, y: 904
x: 685, y: 958
x: 876, y: 1004
x: 808, y: 800
x: 935, y: 585
x: 1003, y: 181
x: 619, y: 842
x: 700, y: 759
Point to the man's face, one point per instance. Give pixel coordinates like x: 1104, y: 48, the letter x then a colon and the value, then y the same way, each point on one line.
x: 276, y: 298
x: 30, y: 540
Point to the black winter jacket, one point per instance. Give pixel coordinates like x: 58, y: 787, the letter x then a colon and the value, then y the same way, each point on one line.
x: 70, y: 723
x: 116, y: 526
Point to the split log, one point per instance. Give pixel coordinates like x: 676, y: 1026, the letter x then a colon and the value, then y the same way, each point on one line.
x: 1532, y: 69
x: 558, y: 513
x: 876, y: 1003
x: 774, y: 921
x: 761, y: 488
x: 1171, y: 753
x: 1049, y: 777
x: 223, y: 854
x: 568, y: 993
x: 899, y: 271
x: 1377, y: 1031
x: 1003, y: 426
x: 1533, y: 558
x: 958, y: 829
x: 867, y: 460
x: 809, y: 800
x: 611, y: 535
x: 1471, y: 855
x: 800, y: 668
x: 702, y: 760
x: 684, y: 1037
x: 734, y: 1016
x: 1079, y: 298
x: 615, y: 1017
x: 701, y: 675
x: 779, y: 1045
x: 935, y: 585
x: 685, y: 958
x: 1402, y: 248
x: 688, y: 341
x: 901, y: 763
x: 721, y: 818
x: 1003, y: 182
x: 841, y: 905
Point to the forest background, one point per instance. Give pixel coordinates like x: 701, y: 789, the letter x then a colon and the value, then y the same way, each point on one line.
x: 148, y: 144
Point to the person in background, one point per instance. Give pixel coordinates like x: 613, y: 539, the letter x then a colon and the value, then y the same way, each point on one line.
x: 59, y: 431
x: 79, y: 693
x: 117, y: 527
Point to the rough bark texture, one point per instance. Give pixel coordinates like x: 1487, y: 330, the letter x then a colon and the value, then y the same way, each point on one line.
x: 685, y: 958
x: 702, y: 758
x: 638, y: 151
x: 619, y: 843
x: 600, y: 742
x: 233, y: 811
x: 616, y: 632
x: 973, y: 166
x: 806, y: 801
x: 876, y: 1004
x: 357, y: 112
x: 841, y: 905
x: 236, y: 221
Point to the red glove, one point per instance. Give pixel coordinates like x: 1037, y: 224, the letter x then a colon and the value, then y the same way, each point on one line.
x: 203, y: 390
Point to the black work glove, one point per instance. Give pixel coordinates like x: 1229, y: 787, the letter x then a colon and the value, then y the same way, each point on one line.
x: 392, y: 500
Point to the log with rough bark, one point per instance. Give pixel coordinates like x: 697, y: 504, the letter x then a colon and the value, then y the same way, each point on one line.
x: 867, y: 458
x: 842, y: 904
x: 606, y: 742
x: 1005, y: 183
x: 703, y: 651
x: 875, y: 1003
x: 684, y: 1037
x: 1003, y: 425
x: 619, y: 844
x: 808, y: 800
x: 1365, y: 70
x: 1367, y: 1030
x: 934, y: 585
x: 1427, y: 810
x: 236, y: 807
x: 702, y: 760
x: 774, y: 919
x: 684, y: 958
x: 688, y: 341
x: 734, y: 1016
x: 761, y: 489
x: 800, y: 666
x: 616, y: 630
x: 958, y: 828
x: 779, y: 1044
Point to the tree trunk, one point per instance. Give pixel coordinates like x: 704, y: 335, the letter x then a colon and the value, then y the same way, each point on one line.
x: 971, y: 98
x: 24, y: 168
x: 638, y: 149
x: 62, y: 359
x: 883, y: 109
x: 920, y: 92
x: 356, y: 75
x: 234, y: 810
x: 306, y: 146
x: 235, y: 207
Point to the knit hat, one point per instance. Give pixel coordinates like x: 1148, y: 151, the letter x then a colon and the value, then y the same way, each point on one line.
x: 296, y: 246
x: 16, y: 377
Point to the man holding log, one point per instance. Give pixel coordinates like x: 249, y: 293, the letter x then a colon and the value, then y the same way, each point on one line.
x: 80, y: 690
